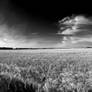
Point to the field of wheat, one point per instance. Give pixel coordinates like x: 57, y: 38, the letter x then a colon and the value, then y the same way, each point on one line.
x: 55, y: 70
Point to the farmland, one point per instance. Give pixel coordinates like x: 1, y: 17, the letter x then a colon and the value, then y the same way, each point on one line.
x: 46, y: 70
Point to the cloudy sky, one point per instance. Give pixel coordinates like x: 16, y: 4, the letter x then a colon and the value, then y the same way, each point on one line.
x: 28, y: 24
x: 76, y: 31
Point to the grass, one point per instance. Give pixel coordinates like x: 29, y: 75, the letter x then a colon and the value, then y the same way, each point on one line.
x: 46, y: 71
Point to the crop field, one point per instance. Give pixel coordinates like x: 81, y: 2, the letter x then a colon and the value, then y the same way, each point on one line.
x: 46, y: 70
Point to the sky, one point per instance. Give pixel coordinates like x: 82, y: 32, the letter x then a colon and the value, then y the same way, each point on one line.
x: 44, y: 24
x: 77, y: 31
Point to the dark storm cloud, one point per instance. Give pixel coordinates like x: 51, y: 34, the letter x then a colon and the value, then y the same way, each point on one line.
x: 19, y: 30
x: 76, y: 30
x: 23, y: 25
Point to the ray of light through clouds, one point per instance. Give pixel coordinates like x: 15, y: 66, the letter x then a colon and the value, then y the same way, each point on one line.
x: 76, y: 31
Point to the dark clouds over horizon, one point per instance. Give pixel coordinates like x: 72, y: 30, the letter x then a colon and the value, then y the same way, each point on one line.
x: 35, y: 25
x: 20, y: 29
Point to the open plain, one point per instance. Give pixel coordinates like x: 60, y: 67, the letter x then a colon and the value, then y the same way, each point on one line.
x: 46, y: 70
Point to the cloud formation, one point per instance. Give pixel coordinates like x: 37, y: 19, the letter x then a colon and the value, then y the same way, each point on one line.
x: 76, y: 30
x: 18, y: 30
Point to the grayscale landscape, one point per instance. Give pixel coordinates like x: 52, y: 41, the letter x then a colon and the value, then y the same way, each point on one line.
x: 47, y: 70
x: 45, y: 46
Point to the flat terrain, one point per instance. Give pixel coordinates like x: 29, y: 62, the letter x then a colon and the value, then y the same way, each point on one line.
x: 51, y: 70
x: 22, y: 57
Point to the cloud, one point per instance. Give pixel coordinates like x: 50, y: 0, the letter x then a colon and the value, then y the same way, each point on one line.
x: 76, y: 30
x: 74, y: 25
x: 16, y: 30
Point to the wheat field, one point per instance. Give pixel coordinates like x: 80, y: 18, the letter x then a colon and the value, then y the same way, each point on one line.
x: 46, y: 70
